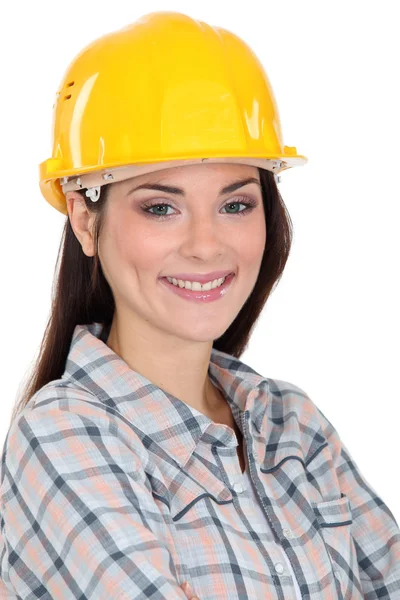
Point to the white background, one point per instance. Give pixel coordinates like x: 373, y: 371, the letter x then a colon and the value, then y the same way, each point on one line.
x: 331, y: 326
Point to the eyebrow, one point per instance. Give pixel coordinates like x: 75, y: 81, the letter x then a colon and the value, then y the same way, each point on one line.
x: 169, y: 189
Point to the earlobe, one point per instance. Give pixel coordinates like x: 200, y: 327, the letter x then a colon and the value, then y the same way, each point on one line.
x: 89, y: 248
x: 86, y: 242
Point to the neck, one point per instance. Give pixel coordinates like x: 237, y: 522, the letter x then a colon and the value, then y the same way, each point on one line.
x: 179, y: 369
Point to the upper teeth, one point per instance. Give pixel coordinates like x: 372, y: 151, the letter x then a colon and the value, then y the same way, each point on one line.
x: 195, y: 285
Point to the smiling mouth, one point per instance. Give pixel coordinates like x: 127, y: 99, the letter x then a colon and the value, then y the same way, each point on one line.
x: 200, y: 295
x: 197, y: 286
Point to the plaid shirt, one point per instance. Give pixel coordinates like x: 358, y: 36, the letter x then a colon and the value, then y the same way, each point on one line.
x: 113, y: 488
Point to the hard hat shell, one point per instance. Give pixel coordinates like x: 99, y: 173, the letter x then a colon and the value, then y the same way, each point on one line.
x: 165, y: 88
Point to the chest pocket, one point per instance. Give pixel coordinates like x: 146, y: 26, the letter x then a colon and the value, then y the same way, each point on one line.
x: 335, y: 520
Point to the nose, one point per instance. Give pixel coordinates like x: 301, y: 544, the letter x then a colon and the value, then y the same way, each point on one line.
x: 205, y: 238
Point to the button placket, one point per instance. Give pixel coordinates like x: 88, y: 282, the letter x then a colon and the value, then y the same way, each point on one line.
x: 232, y: 474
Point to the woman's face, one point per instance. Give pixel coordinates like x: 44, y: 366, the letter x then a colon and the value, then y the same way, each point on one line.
x: 199, y: 232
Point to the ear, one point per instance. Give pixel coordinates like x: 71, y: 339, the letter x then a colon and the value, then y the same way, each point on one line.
x: 81, y: 220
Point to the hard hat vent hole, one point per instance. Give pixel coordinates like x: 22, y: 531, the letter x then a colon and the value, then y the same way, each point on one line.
x: 70, y: 83
x: 67, y: 97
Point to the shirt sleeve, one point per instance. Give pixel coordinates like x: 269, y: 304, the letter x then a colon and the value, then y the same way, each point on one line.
x: 77, y: 513
x: 375, y: 531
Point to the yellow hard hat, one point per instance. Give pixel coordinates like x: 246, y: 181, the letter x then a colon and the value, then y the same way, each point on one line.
x: 166, y: 90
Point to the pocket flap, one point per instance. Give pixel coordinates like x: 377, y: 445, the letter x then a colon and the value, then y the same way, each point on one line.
x: 333, y: 513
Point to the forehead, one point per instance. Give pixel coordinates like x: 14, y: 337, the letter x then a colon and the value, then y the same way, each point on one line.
x: 190, y: 175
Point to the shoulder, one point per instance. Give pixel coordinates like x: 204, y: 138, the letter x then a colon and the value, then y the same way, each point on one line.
x: 299, y: 414
x: 290, y: 398
x: 59, y: 401
x: 64, y: 419
x: 296, y: 399
x: 291, y: 405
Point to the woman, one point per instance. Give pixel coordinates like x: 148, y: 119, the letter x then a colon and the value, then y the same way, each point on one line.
x: 145, y: 453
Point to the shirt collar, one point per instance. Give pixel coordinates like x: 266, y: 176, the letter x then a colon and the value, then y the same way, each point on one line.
x: 93, y: 366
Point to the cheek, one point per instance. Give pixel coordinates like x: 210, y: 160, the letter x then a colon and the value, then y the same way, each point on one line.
x: 136, y: 246
x: 250, y: 242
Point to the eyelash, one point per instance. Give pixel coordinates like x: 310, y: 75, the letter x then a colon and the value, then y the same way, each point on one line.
x: 249, y: 204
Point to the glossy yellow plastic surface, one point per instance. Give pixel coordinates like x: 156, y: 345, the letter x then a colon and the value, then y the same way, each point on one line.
x: 166, y: 87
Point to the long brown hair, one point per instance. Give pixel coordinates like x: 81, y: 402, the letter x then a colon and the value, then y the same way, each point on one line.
x: 82, y: 295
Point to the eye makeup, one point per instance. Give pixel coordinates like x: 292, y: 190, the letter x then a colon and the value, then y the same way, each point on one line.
x: 249, y: 204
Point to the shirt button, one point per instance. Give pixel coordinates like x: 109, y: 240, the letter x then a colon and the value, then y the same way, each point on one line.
x: 238, y: 487
x: 287, y: 533
x: 279, y: 568
x: 337, y: 575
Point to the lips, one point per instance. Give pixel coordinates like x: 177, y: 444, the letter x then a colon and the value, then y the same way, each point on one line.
x: 200, y: 296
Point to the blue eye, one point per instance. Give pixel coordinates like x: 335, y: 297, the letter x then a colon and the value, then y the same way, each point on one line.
x: 147, y: 207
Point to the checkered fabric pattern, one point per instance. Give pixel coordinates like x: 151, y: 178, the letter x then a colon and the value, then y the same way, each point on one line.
x: 112, y: 488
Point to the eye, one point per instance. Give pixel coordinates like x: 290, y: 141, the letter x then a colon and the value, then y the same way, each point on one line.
x: 148, y: 207
x: 248, y: 203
